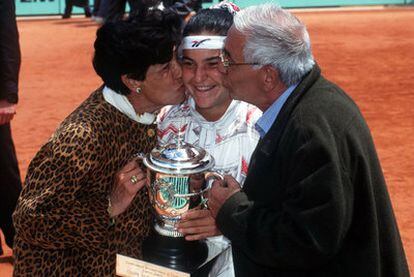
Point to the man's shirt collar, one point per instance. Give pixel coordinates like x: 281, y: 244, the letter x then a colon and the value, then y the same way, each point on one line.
x: 269, y: 116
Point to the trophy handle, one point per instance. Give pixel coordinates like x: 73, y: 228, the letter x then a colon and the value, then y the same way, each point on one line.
x: 209, y: 176
x: 139, y: 156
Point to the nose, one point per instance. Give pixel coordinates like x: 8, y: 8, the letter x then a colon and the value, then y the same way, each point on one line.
x: 200, y: 74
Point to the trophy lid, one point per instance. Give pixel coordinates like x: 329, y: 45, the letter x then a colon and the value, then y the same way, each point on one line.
x: 179, y: 158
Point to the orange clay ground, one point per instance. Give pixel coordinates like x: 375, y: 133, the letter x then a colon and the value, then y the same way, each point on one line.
x: 368, y: 53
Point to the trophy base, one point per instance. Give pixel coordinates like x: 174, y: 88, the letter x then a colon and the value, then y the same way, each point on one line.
x: 175, y: 253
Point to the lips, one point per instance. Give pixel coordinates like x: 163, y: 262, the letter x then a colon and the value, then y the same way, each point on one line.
x: 204, y: 88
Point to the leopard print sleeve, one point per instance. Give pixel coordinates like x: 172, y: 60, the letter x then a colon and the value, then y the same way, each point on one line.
x: 61, y: 204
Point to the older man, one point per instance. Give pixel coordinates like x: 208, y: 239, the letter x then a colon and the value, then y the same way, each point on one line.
x: 315, y: 201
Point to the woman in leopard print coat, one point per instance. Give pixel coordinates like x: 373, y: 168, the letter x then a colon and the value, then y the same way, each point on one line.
x: 62, y: 220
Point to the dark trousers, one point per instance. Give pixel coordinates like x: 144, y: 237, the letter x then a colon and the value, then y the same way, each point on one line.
x: 80, y: 3
x: 96, y: 7
x: 10, y: 183
x: 116, y: 9
x: 103, y: 8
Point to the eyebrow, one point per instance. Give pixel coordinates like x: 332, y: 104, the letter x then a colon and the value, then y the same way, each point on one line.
x: 186, y: 58
x: 163, y: 66
x: 205, y: 60
x: 212, y: 58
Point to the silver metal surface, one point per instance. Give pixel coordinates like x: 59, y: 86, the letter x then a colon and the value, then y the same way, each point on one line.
x: 182, y: 158
x: 178, y: 178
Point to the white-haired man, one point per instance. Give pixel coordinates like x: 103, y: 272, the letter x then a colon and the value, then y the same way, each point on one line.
x: 315, y: 201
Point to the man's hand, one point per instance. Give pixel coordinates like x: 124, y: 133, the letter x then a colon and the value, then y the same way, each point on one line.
x: 128, y: 181
x: 198, y: 224
x: 220, y: 192
x: 197, y: 182
x: 7, y: 111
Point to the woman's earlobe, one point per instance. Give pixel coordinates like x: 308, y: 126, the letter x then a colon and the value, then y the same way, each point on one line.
x: 132, y: 84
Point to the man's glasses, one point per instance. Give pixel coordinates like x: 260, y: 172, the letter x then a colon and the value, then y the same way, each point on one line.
x: 225, y: 64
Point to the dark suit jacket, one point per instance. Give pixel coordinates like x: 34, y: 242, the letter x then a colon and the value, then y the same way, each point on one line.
x: 315, y: 201
x: 9, y: 52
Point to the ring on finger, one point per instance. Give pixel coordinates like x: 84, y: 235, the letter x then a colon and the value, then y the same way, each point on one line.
x: 133, y: 179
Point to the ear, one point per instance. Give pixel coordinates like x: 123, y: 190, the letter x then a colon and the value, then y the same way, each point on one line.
x: 270, y: 78
x: 130, y: 83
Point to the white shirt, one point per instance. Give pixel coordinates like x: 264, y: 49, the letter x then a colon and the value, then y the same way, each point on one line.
x: 231, y: 141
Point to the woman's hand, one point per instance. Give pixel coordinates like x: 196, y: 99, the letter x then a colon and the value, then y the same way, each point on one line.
x: 128, y: 181
x: 198, y: 224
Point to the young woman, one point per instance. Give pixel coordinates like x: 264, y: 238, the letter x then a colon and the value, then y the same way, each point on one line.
x: 209, y: 118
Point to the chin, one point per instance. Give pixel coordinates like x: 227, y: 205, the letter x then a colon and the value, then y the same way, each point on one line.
x: 233, y: 96
x: 202, y: 103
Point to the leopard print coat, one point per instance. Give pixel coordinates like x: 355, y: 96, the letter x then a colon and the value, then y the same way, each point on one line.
x: 62, y: 223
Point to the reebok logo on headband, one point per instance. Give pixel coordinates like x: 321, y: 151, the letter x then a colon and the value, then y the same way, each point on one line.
x: 197, y: 43
x: 203, y: 42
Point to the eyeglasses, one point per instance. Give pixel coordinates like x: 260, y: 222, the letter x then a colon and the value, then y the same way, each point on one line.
x: 225, y: 64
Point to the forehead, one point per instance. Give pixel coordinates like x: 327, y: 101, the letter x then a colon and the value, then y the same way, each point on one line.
x: 156, y: 67
x: 201, y: 54
x: 234, y: 43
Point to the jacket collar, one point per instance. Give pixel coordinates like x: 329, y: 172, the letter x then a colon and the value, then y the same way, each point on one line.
x: 270, y: 141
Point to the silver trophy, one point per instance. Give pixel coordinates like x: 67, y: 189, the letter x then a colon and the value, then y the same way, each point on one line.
x: 178, y: 177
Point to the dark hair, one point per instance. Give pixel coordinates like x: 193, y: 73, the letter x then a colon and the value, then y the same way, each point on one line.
x: 216, y: 21
x: 130, y: 47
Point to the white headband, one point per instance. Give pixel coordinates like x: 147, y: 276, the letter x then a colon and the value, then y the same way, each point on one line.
x: 203, y: 42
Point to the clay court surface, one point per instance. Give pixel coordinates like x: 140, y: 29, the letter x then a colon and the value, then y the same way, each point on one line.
x: 368, y: 53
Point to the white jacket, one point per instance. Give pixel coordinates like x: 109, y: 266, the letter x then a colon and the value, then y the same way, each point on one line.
x: 231, y: 140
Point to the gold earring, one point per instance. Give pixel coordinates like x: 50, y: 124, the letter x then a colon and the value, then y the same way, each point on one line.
x: 138, y: 90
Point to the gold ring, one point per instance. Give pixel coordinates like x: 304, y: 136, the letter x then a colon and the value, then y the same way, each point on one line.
x: 134, y: 179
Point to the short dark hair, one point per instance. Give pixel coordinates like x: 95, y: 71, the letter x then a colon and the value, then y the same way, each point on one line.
x: 131, y: 46
x: 215, y: 21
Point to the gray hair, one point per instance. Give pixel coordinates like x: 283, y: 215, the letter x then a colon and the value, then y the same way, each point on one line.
x: 275, y: 37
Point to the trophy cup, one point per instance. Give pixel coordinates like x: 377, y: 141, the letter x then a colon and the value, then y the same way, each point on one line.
x: 178, y: 177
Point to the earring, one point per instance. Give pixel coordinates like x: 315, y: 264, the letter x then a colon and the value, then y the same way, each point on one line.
x: 138, y: 90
